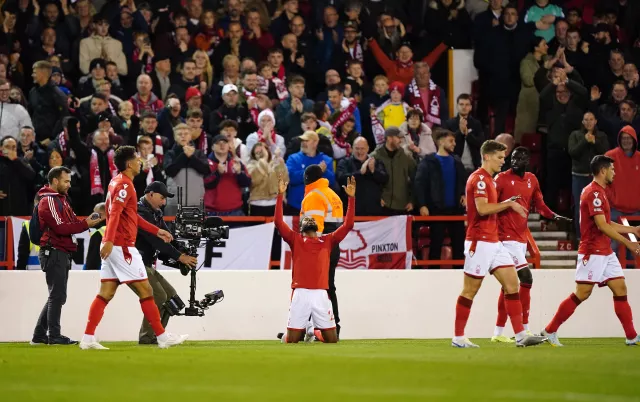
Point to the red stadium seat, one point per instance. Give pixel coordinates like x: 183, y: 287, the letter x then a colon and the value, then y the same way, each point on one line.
x: 446, y: 255
x: 424, y: 231
x: 533, y: 141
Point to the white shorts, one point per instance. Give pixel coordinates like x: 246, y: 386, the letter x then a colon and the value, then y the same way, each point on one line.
x: 482, y: 258
x: 118, y: 269
x: 598, y: 269
x: 518, y: 253
x: 312, y: 303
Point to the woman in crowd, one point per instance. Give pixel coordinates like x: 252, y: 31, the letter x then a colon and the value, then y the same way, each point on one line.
x: 264, y: 169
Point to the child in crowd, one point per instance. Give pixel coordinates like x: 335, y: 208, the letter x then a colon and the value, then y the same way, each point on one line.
x: 229, y: 129
x: 343, y: 138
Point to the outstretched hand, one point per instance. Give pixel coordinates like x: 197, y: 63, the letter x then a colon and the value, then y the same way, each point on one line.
x: 282, y: 185
x: 557, y: 217
x: 350, y: 188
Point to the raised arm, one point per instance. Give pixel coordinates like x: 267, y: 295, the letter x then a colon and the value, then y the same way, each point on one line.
x: 342, y: 232
x: 284, y: 229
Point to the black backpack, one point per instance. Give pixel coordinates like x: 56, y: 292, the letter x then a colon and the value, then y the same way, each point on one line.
x: 35, y: 233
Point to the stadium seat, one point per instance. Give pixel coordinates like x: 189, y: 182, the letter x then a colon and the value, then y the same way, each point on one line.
x: 446, y: 255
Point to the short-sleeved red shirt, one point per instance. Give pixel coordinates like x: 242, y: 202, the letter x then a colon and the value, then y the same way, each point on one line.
x: 481, y: 228
x: 593, y: 201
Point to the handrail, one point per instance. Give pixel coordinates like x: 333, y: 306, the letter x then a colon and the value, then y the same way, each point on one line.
x: 532, y: 247
x: 622, y: 250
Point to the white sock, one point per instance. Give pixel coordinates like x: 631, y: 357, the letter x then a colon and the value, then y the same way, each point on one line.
x: 458, y: 339
x: 309, y: 328
x: 526, y: 327
x: 88, y: 338
x: 163, y: 337
x: 498, y: 331
x: 520, y: 336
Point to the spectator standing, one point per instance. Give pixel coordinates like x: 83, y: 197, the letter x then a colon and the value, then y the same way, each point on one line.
x: 188, y: 79
x: 298, y: 162
x: 440, y: 191
x: 449, y: 22
x: 16, y: 180
x: 144, y: 99
x: 424, y: 95
x: 623, y: 195
x: 546, y: 13
x: 229, y: 129
x: 468, y: 132
x: 562, y: 104
x: 160, y: 76
x: 102, y: 45
x: 101, y: 166
x: 185, y: 166
x: 397, y: 194
x: 58, y: 223
x: 267, y: 134
x: 47, y: 103
x: 169, y: 117
x: 12, y: 116
x: 224, y: 185
x: 402, y: 69
x: 235, y: 44
x: 370, y: 175
x: 416, y: 136
x: 290, y: 110
x: 231, y: 110
x: 584, y: 144
x: 265, y: 170
x: 151, y: 168
x: 528, y: 107
x: 343, y: 107
x: 280, y: 26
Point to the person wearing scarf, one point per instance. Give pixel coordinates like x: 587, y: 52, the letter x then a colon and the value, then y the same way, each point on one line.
x: 417, y: 139
x: 424, y: 95
x: 343, y: 139
x: 402, y: 68
x: 199, y: 137
x: 267, y: 134
x: 151, y: 166
x: 101, y: 166
x: 347, y: 107
x: 352, y: 49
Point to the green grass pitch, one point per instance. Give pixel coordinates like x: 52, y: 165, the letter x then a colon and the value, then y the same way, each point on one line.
x: 389, y: 370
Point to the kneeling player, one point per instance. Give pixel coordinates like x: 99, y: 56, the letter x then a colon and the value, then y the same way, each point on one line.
x: 597, y: 263
x: 512, y: 230
x: 310, y: 254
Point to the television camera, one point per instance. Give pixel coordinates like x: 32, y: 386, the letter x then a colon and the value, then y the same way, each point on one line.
x: 191, y: 229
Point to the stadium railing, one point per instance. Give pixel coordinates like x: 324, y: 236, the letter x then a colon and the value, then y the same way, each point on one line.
x: 531, y: 246
x: 622, y: 250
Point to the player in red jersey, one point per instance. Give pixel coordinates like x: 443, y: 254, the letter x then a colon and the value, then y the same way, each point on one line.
x: 512, y: 230
x: 483, y: 250
x: 597, y: 263
x: 122, y: 262
x: 310, y: 254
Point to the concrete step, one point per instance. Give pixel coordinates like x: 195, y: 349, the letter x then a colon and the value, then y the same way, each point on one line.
x: 534, y: 217
x: 535, y: 226
x: 549, y: 235
x: 557, y: 255
x: 547, y: 245
x: 559, y: 264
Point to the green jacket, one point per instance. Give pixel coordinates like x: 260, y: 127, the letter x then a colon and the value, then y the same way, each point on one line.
x: 398, y: 191
x: 582, y: 151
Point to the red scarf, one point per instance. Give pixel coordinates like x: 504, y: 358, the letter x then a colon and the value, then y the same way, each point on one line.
x: 431, y: 116
x: 148, y: 64
x: 202, y: 143
x: 378, y: 130
x: 341, y: 140
x: 344, y: 116
x: 280, y: 73
x: 254, y: 111
x: 94, y: 170
x: 355, y: 53
x: 63, y: 145
x: 263, y: 139
x: 158, y: 149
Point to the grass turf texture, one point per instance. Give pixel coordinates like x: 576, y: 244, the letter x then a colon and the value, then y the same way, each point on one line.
x: 389, y: 370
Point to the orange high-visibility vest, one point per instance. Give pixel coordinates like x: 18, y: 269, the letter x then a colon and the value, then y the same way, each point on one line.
x: 322, y: 204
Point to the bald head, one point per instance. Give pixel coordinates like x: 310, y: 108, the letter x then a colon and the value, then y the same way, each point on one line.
x: 144, y: 84
x: 507, y: 140
x: 360, y: 148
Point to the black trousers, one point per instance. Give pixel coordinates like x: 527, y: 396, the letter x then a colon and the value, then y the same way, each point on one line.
x: 558, y: 177
x: 456, y: 234
x: 56, y: 266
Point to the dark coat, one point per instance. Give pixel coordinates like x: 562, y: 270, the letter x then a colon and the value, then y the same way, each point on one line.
x: 474, y: 138
x: 429, y: 184
x: 561, y: 119
x: 369, y: 185
x: 47, y: 105
x: 147, y: 244
x: 16, y: 181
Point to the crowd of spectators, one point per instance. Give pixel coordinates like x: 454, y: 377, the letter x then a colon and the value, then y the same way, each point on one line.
x: 223, y: 97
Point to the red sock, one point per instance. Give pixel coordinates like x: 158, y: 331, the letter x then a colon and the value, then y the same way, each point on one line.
x: 525, y: 300
x: 502, y: 311
x: 566, y: 310
x: 514, y: 310
x: 623, y: 311
x: 318, y: 335
x: 463, y: 309
x: 96, y: 311
x: 151, y: 313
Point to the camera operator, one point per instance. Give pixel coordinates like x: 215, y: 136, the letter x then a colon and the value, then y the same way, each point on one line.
x: 149, y: 208
x: 57, y: 225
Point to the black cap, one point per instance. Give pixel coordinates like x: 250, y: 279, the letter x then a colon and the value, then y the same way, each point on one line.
x: 104, y: 116
x: 392, y: 131
x: 158, y: 187
x: 219, y: 138
x: 97, y: 63
x: 312, y: 174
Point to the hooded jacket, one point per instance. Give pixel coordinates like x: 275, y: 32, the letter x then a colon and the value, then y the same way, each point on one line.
x: 12, y: 118
x: 623, y: 192
x: 187, y: 173
x: 58, y: 221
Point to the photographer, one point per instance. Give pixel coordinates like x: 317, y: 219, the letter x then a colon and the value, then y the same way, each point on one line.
x: 149, y: 246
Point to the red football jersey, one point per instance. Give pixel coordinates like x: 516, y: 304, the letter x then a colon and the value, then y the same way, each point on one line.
x: 593, y: 201
x: 512, y: 226
x: 122, y: 213
x: 481, y: 228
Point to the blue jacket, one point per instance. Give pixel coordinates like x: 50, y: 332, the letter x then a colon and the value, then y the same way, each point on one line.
x: 296, y: 164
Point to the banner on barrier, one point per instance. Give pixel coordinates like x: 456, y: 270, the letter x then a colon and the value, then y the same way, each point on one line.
x: 248, y: 248
x: 382, y: 244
